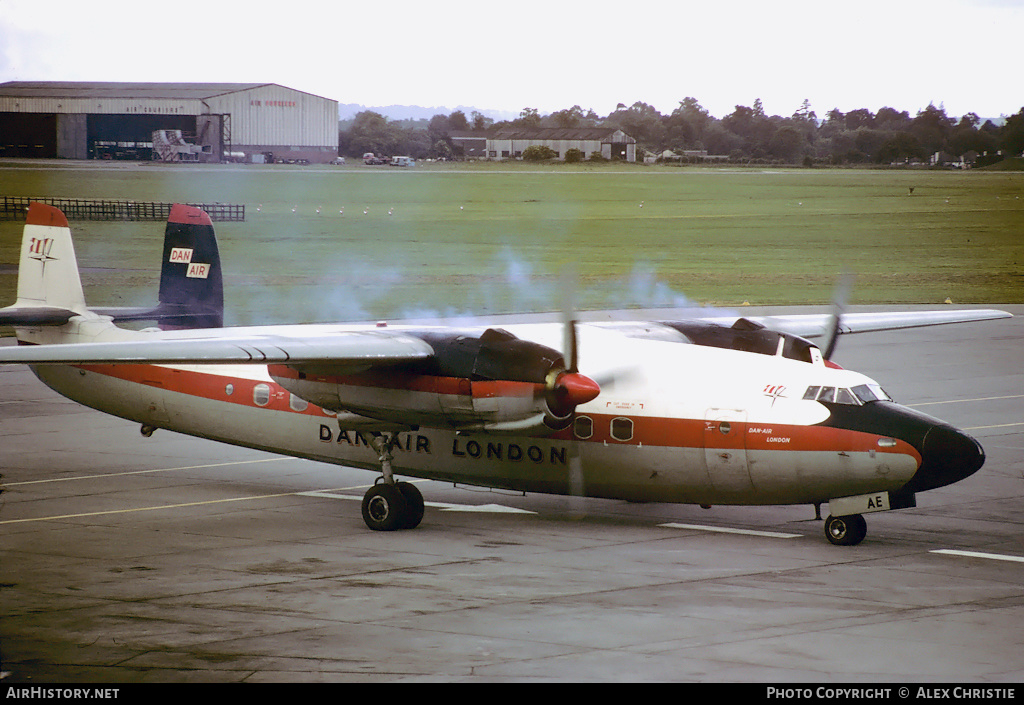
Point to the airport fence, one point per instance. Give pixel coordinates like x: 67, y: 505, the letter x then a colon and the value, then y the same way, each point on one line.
x: 15, y: 207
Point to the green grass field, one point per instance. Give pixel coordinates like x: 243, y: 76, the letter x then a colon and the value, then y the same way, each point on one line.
x: 490, y: 238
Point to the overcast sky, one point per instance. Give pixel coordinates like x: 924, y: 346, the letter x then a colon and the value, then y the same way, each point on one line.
x: 963, y: 54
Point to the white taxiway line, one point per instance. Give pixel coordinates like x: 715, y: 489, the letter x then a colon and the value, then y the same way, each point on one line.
x: 962, y: 401
x: 145, y: 472
x: 976, y: 554
x: 727, y: 530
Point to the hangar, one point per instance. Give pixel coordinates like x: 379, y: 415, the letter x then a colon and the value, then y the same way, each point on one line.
x: 209, y: 122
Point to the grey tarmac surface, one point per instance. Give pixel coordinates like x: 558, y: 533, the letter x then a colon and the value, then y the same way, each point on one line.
x: 171, y: 559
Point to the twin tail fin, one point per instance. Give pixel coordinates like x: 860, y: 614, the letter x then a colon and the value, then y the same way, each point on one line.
x: 50, y: 290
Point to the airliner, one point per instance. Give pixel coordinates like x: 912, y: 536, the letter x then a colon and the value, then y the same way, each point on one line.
x: 718, y: 410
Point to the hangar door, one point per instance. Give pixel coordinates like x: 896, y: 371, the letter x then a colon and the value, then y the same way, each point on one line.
x: 131, y: 136
x: 28, y: 135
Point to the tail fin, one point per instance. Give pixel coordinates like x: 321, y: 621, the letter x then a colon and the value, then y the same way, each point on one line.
x: 49, y: 288
x: 191, y: 283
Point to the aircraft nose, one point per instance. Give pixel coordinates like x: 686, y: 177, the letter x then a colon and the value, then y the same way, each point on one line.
x: 947, y: 456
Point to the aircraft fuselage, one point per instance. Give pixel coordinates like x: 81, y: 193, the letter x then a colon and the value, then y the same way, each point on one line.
x: 687, y: 423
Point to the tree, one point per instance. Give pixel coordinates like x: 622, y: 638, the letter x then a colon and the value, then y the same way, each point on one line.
x: 804, y: 113
x: 685, y: 127
x: 570, y: 117
x: 856, y: 119
x: 438, y: 127
x: 528, y: 117
x: 480, y: 121
x: 966, y: 137
x: 371, y: 132
x: 642, y: 122
x: 900, y: 147
x: 1011, y: 136
x: 931, y: 127
x: 892, y: 119
x: 457, y: 121
x: 787, y: 144
x: 740, y: 121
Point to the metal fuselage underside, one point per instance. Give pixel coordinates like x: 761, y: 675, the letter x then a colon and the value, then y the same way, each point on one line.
x: 685, y: 423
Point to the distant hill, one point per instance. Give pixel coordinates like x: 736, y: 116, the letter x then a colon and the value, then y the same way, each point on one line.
x: 347, y: 111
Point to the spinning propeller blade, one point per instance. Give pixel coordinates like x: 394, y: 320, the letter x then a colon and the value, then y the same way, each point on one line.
x: 839, y: 301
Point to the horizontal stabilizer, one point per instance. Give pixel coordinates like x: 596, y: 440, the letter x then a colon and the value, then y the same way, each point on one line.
x: 35, y: 316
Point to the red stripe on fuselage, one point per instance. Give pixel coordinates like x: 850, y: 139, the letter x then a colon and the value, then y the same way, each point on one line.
x: 651, y: 431
x: 203, y: 385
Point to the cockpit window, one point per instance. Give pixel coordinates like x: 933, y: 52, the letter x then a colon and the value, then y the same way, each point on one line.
x: 861, y: 394
x: 870, y: 392
x: 845, y: 396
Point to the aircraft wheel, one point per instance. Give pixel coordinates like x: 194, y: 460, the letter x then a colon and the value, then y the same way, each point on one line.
x: 846, y: 531
x: 413, y: 502
x: 385, y: 508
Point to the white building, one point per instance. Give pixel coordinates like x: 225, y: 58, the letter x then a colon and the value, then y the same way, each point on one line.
x: 117, y: 120
x: 611, y: 143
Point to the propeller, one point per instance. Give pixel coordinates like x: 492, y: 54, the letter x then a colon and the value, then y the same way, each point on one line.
x: 578, y: 389
x: 566, y: 389
x: 839, y: 301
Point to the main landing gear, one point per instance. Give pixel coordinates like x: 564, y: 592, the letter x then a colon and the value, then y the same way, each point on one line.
x: 846, y: 531
x: 391, y: 505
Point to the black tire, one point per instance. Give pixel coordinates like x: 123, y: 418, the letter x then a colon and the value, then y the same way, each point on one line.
x: 846, y: 531
x: 413, y: 503
x: 385, y: 508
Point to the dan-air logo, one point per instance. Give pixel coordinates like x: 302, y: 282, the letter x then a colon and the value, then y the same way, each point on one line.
x: 183, y: 255
x: 39, y: 249
x: 775, y: 391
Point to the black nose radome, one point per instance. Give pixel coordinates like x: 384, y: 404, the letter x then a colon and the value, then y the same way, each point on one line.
x: 947, y: 456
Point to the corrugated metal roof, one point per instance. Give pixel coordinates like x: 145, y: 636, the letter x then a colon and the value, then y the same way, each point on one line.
x: 85, y: 89
x: 557, y: 133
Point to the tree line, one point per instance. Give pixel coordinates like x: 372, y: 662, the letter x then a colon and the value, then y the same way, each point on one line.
x: 745, y: 135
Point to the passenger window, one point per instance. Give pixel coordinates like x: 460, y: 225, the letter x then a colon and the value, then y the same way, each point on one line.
x: 827, y: 394
x: 622, y: 429
x: 297, y: 403
x: 261, y: 394
x: 583, y: 427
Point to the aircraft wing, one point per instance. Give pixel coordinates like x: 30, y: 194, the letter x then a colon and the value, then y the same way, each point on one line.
x: 350, y: 349
x: 817, y: 325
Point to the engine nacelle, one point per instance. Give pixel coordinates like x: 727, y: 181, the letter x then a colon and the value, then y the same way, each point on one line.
x: 494, y: 382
